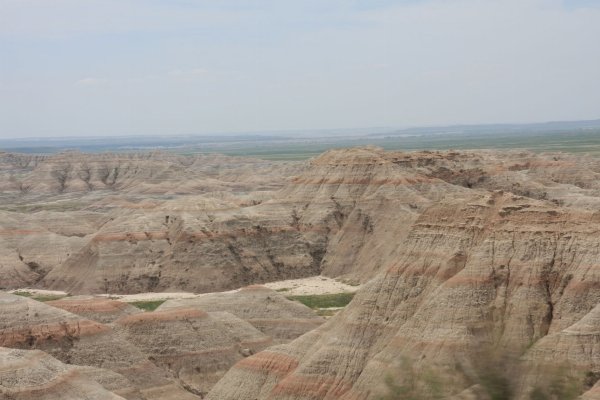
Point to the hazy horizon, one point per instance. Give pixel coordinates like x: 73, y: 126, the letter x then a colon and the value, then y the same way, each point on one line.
x: 158, y: 68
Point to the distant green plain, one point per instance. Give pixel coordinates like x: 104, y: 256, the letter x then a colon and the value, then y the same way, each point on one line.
x: 587, y: 141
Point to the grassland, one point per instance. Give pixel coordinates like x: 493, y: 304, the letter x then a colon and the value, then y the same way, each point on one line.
x: 578, y: 142
x: 147, y: 305
x: 39, y: 297
x: 572, y: 139
x: 320, y: 301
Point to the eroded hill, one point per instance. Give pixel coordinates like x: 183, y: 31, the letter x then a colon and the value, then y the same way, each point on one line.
x: 481, y: 265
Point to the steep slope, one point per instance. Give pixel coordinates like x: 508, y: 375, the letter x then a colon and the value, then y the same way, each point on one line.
x: 161, y: 355
x: 196, y: 251
x: 484, y: 267
x: 206, y: 223
x: 178, y: 352
x: 485, y: 272
x: 31, y: 245
x: 34, y: 375
x: 364, y: 196
x: 97, y: 309
x: 267, y: 310
x: 195, y: 346
x: 152, y: 172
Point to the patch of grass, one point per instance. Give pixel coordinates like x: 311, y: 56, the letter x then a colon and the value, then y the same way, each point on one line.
x: 147, y: 305
x: 316, y: 301
x: 49, y: 297
x: 285, y: 289
x: 40, y: 297
x: 24, y: 294
x: 326, y: 313
x: 349, y: 282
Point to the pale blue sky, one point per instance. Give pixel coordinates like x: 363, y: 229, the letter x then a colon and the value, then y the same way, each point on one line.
x: 118, y: 67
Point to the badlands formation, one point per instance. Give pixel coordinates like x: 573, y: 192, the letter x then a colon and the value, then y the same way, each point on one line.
x: 479, y: 272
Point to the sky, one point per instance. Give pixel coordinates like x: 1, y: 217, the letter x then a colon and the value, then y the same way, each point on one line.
x: 162, y: 67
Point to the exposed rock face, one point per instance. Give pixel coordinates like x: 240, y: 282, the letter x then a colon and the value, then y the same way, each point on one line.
x: 332, y: 218
x: 209, y: 223
x: 473, y: 274
x: 127, y: 222
x: 268, y: 311
x: 32, y: 244
x: 28, y: 324
x: 34, y: 375
x: 471, y: 254
x: 197, y: 347
x: 95, y: 308
x: 158, y: 251
x: 154, y: 172
x: 178, y: 352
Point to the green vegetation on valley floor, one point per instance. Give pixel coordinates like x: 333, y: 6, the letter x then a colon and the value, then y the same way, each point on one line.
x: 320, y: 301
x: 147, y: 305
x: 39, y: 297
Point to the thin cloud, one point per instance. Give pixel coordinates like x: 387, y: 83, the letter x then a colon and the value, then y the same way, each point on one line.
x: 191, y: 65
x: 189, y: 72
x: 91, y: 82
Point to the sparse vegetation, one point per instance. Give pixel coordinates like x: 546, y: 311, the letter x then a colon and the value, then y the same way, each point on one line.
x: 327, y: 312
x: 561, y: 385
x: 39, y: 297
x: 349, y: 282
x: 413, y: 384
x: 318, y: 301
x: 147, y: 305
x: 495, y: 378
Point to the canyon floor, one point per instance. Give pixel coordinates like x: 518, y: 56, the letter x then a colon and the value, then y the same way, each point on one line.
x: 358, y: 274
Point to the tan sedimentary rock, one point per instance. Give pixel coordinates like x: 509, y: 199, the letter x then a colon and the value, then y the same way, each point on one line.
x: 34, y: 375
x: 45, y: 224
x: 197, y: 252
x: 160, y: 221
x: 197, y: 347
x: 472, y: 253
x: 178, y: 353
x: 29, y: 324
x: 95, y: 308
x: 487, y: 271
x: 32, y: 244
x: 267, y: 310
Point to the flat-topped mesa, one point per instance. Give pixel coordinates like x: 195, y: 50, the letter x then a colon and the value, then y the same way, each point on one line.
x: 482, y: 272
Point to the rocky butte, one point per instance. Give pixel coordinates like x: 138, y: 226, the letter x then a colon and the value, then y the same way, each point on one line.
x: 480, y: 276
